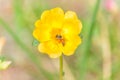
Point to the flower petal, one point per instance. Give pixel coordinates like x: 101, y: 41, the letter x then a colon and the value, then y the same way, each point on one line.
x: 71, y: 45
x: 70, y: 15
x: 50, y: 48
x: 41, y: 32
x: 71, y: 24
x: 53, y: 17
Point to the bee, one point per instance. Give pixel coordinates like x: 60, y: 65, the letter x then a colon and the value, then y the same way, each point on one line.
x: 58, y: 36
x: 60, y: 39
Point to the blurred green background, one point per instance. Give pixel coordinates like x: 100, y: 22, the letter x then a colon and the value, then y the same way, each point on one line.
x: 97, y: 58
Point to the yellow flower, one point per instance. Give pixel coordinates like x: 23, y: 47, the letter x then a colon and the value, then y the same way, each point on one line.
x: 58, y: 32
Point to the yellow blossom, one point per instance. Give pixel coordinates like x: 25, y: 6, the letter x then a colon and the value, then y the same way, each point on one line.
x: 58, y: 32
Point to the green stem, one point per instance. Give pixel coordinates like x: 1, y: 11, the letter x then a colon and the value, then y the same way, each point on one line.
x: 61, y: 67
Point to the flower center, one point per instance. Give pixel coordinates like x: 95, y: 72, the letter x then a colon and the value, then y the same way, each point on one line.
x: 56, y: 34
x: 60, y: 39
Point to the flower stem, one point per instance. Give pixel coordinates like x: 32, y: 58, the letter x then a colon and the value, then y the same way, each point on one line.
x: 61, y: 67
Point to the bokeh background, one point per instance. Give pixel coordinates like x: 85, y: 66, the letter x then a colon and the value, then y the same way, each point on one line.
x: 97, y: 58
